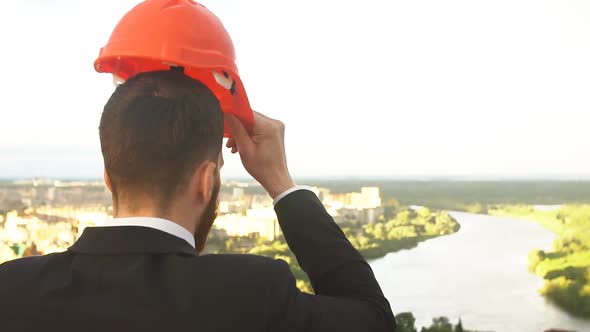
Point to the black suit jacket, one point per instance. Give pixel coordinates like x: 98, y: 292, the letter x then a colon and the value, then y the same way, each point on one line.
x: 138, y: 278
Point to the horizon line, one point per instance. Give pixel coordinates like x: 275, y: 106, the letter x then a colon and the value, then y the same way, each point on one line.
x: 442, y: 177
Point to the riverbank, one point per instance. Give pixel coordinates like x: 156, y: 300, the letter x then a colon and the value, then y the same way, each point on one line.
x: 478, y: 274
x: 566, y: 268
x: 405, y: 230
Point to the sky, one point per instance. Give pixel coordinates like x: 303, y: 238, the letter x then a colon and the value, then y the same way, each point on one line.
x: 365, y: 88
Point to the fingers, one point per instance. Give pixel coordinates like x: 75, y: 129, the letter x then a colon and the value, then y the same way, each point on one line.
x: 231, y: 143
x: 258, y: 115
x: 240, y: 139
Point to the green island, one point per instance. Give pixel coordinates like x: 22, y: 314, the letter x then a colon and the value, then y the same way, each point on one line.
x: 566, y: 268
x: 400, y: 228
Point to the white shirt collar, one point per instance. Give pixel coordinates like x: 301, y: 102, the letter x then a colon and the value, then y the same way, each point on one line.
x: 163, y: 225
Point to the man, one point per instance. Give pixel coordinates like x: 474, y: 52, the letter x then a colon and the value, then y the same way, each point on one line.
x: 161, y: 135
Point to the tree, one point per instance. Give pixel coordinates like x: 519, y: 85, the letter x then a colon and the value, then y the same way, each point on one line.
x: 379, y: 232
x: 368, y: 228
x: 390, y: 207
x: 424, y: 212
x: 402, y: 232
x: 362, y: 241
x: 459, y: 326
x: 229, y: 245
x: 535, y: 257
x: 405, y: 322
x: 439, y: 324
x: 403, y: 218
x: 6, y: 253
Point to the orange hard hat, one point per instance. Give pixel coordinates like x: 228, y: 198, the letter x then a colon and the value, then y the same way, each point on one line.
x: 177, y: 35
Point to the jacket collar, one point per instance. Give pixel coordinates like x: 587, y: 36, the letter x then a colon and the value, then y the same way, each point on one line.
x: 115, y: 240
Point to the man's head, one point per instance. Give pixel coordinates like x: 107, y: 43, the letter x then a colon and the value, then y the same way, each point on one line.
x: 161, y: 135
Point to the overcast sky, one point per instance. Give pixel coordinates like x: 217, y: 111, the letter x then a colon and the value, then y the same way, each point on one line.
x: 366, y: 88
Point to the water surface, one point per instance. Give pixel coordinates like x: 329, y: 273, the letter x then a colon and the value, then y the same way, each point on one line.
x: 479, y: 274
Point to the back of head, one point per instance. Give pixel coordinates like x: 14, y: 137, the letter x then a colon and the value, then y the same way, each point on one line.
x: 156, y: 129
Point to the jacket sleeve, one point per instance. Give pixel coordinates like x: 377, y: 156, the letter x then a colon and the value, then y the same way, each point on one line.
x: 348, y: 297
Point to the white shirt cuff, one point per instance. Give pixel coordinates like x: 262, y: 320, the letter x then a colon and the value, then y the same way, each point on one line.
x: 288, y: 191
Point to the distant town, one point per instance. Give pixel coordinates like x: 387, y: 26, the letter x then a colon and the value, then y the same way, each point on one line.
x: 46, y: 216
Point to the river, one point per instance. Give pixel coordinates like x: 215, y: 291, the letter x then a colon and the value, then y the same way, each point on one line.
x: 479, y: 274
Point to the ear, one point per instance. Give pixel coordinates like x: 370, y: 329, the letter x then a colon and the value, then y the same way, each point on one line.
x: 203, y: 182
x: 107, y: 181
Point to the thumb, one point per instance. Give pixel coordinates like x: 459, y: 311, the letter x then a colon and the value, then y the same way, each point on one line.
x: 239, y: 132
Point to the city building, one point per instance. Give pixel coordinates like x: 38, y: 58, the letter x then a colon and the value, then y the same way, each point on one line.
x: 52, y: 215
x: 371, y: 197
x: 262, y: 221
x: 357, y: 207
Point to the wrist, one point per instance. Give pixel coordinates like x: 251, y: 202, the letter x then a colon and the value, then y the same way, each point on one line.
x: 278, y: 185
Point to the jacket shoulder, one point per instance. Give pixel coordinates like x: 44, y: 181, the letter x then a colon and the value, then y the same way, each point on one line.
x: 246, y: 261
x: 22, y: 271
x: 28, y: 263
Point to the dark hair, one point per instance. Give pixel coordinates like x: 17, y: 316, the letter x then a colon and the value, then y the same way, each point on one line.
x: 156, y: 129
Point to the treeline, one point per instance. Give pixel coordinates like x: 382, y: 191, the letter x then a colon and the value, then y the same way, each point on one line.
x: 407, y: 323
x: 404, y: 230
x: 456, y: 195
x: 566, y: 268
x: 472, y: 196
